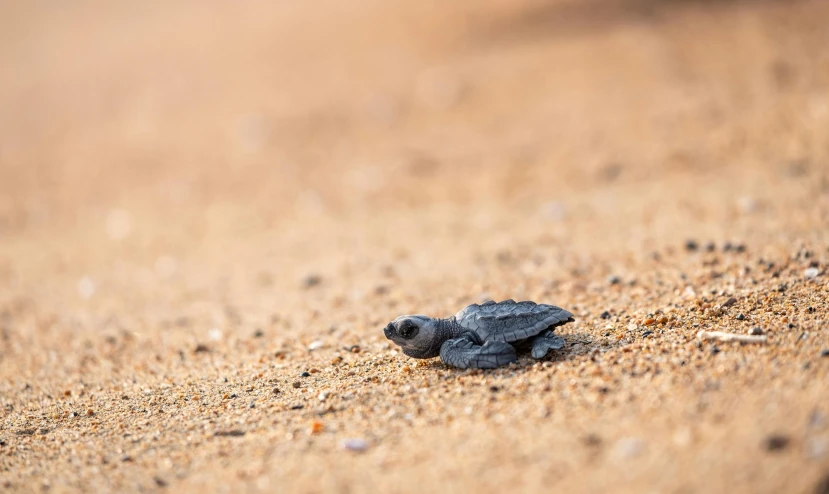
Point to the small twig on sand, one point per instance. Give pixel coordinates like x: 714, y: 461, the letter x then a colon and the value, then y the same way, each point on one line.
x: 721, y: 336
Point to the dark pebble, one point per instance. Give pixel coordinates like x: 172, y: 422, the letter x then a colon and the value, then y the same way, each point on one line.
x: 297, y: 407
x: 824, y: 352
x: 822, y: 486
x: 756, y: 331
x: 691, y: 245
x: 258, y: 333
x: 790, y: 326
x: 776, y: 442
x: 646, y: 334
x: 160, y: 482
x: 715, y: 350
x: 311, y: 280
x: 605, y: 315
x: 728, y: 303
x: 727, y: 247
x: 126, y: 458
x: 592, y: 440
x: 614, y: 280
x: 230, y: 433
x: 276, y: 391
x: 252, y: 405
x: 355, y: 349
x: 494, y: 389
x: 305, y: 374
x: 740, y: 317
x: 740, y: 248
x: 200, y: 348
x: 710, y: 246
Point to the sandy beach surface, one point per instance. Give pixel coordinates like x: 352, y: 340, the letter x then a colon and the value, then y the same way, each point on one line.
x: 210, y: 210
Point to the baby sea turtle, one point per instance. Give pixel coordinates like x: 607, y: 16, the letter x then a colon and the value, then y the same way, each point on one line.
x: 481, y: 336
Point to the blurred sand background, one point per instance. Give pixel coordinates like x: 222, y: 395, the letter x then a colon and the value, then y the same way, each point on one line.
x: 200, y: 201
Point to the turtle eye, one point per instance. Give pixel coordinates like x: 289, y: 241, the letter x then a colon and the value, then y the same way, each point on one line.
x: 408, y: 330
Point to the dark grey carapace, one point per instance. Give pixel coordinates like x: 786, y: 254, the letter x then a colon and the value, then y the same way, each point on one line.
x: 481, y: 336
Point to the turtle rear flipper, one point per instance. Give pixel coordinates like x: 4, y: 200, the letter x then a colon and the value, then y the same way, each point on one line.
x: 466, y: 351
x: 544, y: 342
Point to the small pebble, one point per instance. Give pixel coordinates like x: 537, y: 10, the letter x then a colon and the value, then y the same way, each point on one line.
x: 305, y: 374
x: 691, y: 245
x: 646, y: 334
x: 740, y: 317
x: 756, y: 331
x: 817, y: 447
x: 824, y: 352
x: 276, y: 391
x: 776, y: 442
x: 817, y: 419
x: 296, y: 384
x: 728, y: 303
x: 613, y: 279
x: 822, y: 486
x: 311, y: 280
x: 710, y: 247
x: 811, y: 273
x: 230, y: 433
x: 355, y: 445
x: 355, y: 349
x: 605, y: 315
x: 315, y: 345
x: 317, y: 427
x: 86, y: 287
x: 629, y: 447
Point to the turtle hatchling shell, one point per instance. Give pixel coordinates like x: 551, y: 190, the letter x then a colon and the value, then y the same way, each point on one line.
x: 511, y: 321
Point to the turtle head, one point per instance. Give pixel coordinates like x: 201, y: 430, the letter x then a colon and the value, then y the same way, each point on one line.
x: 418, y: 336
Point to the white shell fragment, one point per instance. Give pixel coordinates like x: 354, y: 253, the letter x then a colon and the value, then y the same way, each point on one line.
x: 725, y: 337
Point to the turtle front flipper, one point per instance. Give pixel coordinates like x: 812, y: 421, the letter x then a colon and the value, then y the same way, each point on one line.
x: 467, y: 351
x: 544, y: 342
